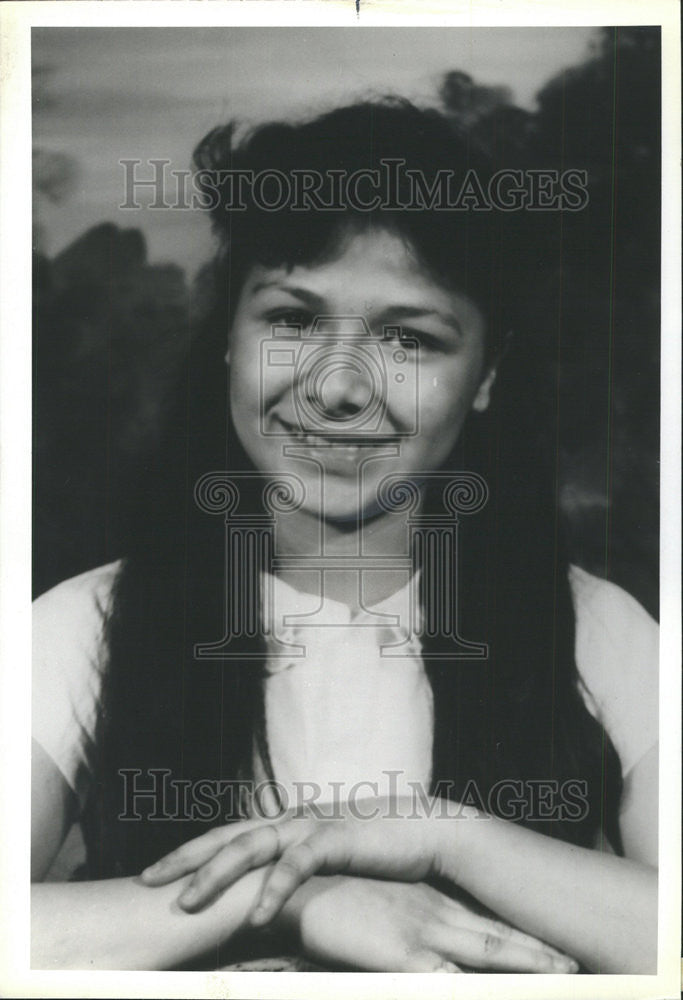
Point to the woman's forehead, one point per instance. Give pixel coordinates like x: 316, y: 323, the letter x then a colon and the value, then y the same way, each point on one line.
x: 372, y: 264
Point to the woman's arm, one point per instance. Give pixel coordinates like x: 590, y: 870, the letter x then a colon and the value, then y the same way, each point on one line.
x: 123, y: 924
x: 116, y: 923
x: 608, y: 905
x: 604, y: 905
x: 347, y: 922
x: 599, y: 908
x: 53, y: 810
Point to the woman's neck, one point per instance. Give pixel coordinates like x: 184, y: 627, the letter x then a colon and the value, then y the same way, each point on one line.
x: 367, y: 542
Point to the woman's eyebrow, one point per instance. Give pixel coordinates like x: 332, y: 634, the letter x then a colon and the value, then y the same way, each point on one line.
x: 396, y: 313
x: 310, y: 298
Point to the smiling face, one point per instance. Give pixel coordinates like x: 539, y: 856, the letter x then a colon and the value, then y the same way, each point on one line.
x: 342, y: 391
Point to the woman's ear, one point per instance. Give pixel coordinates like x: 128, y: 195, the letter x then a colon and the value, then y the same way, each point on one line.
x: 483, y: 397
x: 227, y: 357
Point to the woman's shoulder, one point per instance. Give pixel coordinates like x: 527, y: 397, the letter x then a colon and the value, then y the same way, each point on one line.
x: 83, y: 594
x: 68, y: 658
x: 617, y: 655
x: 69, y: 622
x: 602, y: 603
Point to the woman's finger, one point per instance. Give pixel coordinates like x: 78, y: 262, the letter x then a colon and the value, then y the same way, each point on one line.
x: 297, y: 864
x: 323, y: 850
x: 252, y: 849
x: 494, y: 951
x: 190, y: 856
x: 429, y: 961
x: 461, y: 916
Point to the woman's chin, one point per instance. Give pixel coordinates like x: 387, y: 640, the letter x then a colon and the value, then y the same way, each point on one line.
x: 346, y: 513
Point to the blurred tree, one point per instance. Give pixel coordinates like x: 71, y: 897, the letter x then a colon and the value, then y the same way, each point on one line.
x: 593, y: 292
x: 468, y: 101
x: 489, y: 116
x: 109, y: 334
x: 605, y: 116
x: 54, y: 172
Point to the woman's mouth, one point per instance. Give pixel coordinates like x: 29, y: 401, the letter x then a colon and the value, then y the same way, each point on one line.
x: 332, y: 438
x: 337, y: 453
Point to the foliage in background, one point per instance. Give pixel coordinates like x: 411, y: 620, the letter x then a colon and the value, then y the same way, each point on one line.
x: 110, y: 333
x: 594, y: 307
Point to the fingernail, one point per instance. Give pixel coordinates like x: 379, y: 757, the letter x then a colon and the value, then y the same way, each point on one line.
x: 189, y: 896
x: 565, y: 965
x: 260, y: 915
x: 152, y: 870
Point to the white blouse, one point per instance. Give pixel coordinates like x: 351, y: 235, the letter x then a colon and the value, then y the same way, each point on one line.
x: 343, y: 717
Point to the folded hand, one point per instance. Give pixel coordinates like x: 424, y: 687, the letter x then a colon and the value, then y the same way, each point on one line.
x: 379, y: 838
x: 382, y: 926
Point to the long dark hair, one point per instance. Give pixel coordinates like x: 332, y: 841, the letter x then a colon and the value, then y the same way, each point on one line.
x: 516, y: 717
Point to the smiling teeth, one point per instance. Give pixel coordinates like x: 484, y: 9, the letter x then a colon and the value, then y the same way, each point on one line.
x: 324, y: 440
x: 347, y: 442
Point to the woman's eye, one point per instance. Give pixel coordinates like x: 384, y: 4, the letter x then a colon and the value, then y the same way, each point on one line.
x: 289, y: 317
x: 418, y: 340
x: 400, y: 336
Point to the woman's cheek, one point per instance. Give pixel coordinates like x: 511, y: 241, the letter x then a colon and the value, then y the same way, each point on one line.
x: 245, y: 375
x: 445, y: 404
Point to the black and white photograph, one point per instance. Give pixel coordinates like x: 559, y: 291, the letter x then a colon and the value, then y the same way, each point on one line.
x: 346, y: 501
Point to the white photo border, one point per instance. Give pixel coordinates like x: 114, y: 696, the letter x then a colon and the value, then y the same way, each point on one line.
x: 16, y: 20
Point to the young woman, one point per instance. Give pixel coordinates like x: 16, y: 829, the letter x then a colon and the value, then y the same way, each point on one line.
x: 485, y: 799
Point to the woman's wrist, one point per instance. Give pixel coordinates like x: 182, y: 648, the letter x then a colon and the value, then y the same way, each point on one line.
x: 454, y: 826
x: 289, y: 920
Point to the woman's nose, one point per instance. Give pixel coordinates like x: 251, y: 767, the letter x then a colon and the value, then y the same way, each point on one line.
x: 345, y: 390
